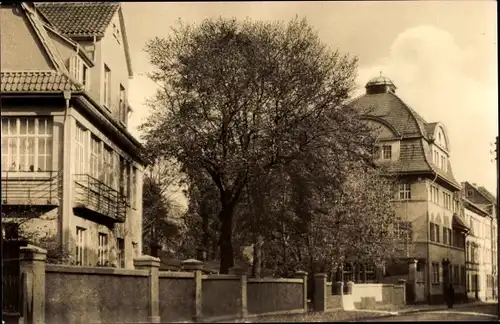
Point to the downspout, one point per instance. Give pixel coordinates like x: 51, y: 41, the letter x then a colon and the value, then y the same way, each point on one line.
x: 429, y: 279
x: 65, y: 197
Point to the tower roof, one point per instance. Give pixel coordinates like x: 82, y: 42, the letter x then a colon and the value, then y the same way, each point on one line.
x: 379, y: 81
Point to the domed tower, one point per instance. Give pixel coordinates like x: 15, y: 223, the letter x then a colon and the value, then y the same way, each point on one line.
x: 380, y: 84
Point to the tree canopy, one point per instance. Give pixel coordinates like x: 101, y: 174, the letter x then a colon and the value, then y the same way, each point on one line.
x: 255, y: 113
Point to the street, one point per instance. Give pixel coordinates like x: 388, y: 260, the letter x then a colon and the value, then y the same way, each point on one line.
x: 471, y: 313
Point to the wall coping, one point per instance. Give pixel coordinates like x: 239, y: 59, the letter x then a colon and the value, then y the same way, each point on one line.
x: 95, y: 270
x: 175, y: 274
x: 221, y: 277
x: 282, y: 280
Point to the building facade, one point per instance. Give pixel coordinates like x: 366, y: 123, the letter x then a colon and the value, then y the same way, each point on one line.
x: 71, y: 171
x: 431, y: 229
x: 481, y: 256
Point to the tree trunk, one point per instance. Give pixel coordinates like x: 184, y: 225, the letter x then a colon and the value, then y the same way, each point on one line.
x: 206, y: 234
x: 257, y: 257
x: 225, y: 243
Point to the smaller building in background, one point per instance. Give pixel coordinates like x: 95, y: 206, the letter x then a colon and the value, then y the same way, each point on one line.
x: 481, y: 245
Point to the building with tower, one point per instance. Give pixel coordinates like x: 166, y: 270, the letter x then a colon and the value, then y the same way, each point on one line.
x: 431, y: 228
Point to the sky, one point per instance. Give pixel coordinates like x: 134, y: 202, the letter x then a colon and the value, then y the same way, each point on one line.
x: 441, y: 55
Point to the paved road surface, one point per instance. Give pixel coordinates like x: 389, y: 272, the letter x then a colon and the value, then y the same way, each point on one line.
x: 474, y: 313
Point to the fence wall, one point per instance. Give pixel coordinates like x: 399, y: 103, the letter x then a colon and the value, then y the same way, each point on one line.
x: 330, y: 296
x: 60, y: 294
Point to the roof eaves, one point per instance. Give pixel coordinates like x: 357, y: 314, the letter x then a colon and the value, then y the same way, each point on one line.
x: 125, y: 43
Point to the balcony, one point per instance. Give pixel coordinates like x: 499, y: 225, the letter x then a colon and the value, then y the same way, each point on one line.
x: 31, y: 189
x: 94, y: 199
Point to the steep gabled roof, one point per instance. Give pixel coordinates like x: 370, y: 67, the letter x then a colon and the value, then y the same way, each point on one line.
x: 85, y: 19
x: 488, y: 195
x: 79, y: 18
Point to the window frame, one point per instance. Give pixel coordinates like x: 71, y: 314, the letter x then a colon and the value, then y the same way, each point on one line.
x: 435, y: 268
x: 107, y: 87
x: 13, y: 162
x: 387, y: 152
x: 102, y: 249
x: 404, y: 191
x: 80, y: 245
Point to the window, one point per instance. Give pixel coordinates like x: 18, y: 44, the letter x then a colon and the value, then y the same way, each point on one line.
x: 462, y: 275
x: 95, y: 157
x: 79, y: 70
x: 102, y: 250
x: 434, y: 193
x: 348, y: 272
x: 404, y: 231
x: 434, y: 232
x: 387, y: 152
x: 107, y: 87
x: 80, y: 246
x: 26, y: 144
x: 133, y: 186
x: 108, y: 166
x: 468, y: 253
x: 445, y: 235
x: 120, y: 246
x: 123, y: 109
x: 404, y: 191
x: 123, y: 177
x: 435, y: 273
x: 376, y: 152
x: 80, y: 149
x: 456, y: 275
x: 469, y: 193
x: 370, y: 274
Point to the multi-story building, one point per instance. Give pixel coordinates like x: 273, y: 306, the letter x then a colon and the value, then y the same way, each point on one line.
x: 431, y: 227
x: 480, y: 211
x: 71, y: 170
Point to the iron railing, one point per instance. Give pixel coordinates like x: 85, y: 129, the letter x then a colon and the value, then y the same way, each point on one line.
x: 98, y: 197
x: 31, y: 188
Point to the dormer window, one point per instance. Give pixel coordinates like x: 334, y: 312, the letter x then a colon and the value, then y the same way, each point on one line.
x: 387, y: 152
x: 79, y: 71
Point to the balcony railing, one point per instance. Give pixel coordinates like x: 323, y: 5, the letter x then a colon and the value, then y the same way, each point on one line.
x: 96, y: 196
x: 31, y: 188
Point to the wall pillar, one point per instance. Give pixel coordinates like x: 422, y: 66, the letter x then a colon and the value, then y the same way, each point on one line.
x: 243, y: 293
x: 303, y: 275
x: 319, y: 302
x: 147, y: 262
x: 412, y: 279
x: 33, y: 261
x: 195, y: 266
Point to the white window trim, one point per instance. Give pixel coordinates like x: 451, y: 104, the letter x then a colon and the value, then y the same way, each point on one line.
x: 36, y: 136
x: 107, y: 87
x: 404, y: 191
x: 389, y: 150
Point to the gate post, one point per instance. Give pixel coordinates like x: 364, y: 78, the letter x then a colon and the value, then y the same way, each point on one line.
x: 32, y: 260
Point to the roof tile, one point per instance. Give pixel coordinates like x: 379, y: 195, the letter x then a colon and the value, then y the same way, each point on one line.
x: 79, y: 18
x: 22, y: 81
